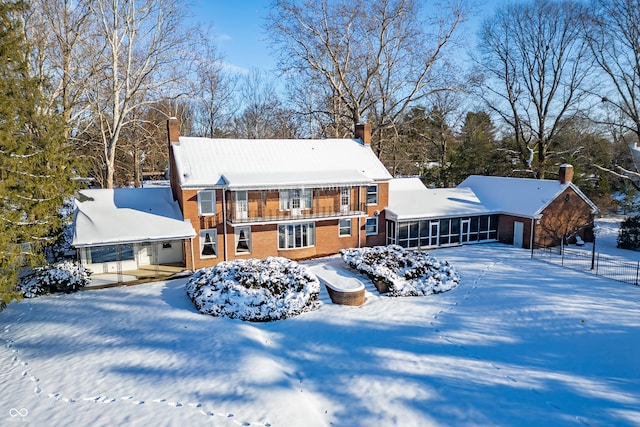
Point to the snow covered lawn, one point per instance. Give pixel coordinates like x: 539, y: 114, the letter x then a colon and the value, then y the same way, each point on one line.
x: 517, y: 342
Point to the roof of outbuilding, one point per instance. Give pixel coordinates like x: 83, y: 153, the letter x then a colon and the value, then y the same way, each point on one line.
x: 275, y: 163
x: 127, y: 215
x: 518, y: 196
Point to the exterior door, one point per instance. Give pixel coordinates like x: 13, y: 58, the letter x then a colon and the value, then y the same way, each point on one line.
x: 434, y: 233
x: 345, y: 199
x: 242, y: 205
x: 465, y: 228
x: 518, y: 232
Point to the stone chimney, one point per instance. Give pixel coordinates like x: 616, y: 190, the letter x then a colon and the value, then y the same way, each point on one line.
x: 363, y: 132
x: 565, y: 174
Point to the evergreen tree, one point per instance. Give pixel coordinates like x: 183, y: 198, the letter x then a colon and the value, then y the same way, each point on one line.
x: 35, y: 162
x: 478, y: 152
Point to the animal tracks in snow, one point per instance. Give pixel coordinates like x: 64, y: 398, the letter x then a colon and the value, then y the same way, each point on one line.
x: 38, y: 388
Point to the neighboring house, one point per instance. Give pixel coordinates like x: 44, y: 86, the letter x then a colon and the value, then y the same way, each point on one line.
x: 517, y: 211
x: 296, y: 198
x: 129, y: 229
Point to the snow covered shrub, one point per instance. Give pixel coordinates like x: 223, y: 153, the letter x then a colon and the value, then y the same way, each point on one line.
x: 255, y: 290
x: 65, y: 276
x: 629, y: 234
x: 407, y: 273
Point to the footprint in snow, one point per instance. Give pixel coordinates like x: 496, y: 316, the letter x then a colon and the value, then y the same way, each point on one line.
x: 207, y: 413
x: 34, y: 379
x: 37, y: 389
x: 511, y: 378
x: 195, y: 405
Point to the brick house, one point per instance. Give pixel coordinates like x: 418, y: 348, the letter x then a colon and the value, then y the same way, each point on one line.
x: 517, y: 211
x: 302, y: 198
x: 275, y: 197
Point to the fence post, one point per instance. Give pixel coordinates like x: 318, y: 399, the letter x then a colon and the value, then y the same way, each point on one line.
x: 637, y: 271
x: 562, y: 253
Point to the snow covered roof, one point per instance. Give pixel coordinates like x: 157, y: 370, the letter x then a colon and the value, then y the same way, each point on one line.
x: 410, y: 199
x: 280, y: 163
x: 127, y: 215
x: 519, y: 196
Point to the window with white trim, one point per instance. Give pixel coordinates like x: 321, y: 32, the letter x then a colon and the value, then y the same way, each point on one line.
x: 371, y: 226
x: 243, y: 240
x: 206, y: 202
x: 208, y: 243
x: 344, y: 227
x: 295, y: 199
x: 372, y: 194
x: 293, y: 236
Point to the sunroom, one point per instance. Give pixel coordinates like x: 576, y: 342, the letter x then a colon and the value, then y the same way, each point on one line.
x: 418, y: 217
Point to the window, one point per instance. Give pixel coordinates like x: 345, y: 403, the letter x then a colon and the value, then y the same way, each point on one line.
x: 371, y: 227
x: 111, y: 254
x: 344, y: 226
x: 372, y: 194
x: 207, y: 202
x: 295, y: 199
x: 208, y: 243
x: 293, y: 236
x: 243, y: 240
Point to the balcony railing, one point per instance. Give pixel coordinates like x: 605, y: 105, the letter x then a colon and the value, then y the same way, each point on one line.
x: 275, y: 215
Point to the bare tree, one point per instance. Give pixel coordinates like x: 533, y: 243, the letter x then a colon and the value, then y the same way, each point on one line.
x: 57, y: 31
x: 364, y: 54
x: 212, y: 89
x: 143, y: 48
x: 614, y: 39
x: 536, y: 65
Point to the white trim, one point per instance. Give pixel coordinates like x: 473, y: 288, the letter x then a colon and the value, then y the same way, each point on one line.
x: 367, y: 194
x: 340, y: 227
x: 375, y: 218
x: 212, y: 234
x: 236, y: 234
x: 212, y: 201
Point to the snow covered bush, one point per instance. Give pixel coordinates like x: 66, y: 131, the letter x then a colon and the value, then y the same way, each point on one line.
x: 406, y: 273
x: 255, y: 290
x: 65, y: 276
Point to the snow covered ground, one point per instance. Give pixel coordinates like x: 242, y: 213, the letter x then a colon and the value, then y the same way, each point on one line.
x: 518, y: 342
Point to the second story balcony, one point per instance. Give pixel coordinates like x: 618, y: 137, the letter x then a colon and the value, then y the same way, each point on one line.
x: 263, y: 208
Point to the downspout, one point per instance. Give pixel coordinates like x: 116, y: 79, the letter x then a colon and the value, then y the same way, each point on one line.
x: 224, y: 222
x: 359, y: 217
x: 531, y: 235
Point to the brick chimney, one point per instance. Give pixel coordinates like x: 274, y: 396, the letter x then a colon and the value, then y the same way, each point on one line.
x: 173, y: 130
x: 565, y: 174
x: 363, y: 132
x: 173, y: 136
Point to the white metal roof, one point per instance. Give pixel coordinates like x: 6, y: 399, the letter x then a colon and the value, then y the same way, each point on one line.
x: 256, y: 163
x: 127, y: 215
x: 410, y: 199
x: 519, y: 196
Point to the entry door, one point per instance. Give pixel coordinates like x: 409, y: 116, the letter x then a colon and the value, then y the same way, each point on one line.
x: 434, y: 228
x: 465, y: 227
x: 242, y: 205
x: 518, y: 232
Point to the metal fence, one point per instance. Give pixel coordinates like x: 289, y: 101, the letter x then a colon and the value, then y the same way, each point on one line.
x: 586, y: 260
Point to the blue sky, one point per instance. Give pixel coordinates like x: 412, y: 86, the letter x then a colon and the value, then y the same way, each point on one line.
x: 241, y: 38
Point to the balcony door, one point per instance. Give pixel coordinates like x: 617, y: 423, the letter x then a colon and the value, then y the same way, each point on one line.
x: 242, y: 205
x: 345, y: 199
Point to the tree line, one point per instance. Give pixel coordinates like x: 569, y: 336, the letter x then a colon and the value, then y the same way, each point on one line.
x: 87, y: 86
